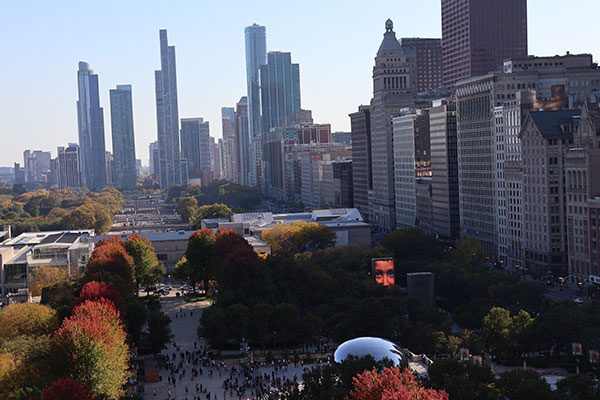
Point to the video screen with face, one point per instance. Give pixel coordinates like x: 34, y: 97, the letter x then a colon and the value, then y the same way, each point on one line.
x: 382, y: 269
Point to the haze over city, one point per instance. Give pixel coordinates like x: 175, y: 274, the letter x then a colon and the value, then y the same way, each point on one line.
x: 333, y: 42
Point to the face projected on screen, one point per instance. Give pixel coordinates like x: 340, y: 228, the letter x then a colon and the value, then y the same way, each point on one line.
x: 384, y: 272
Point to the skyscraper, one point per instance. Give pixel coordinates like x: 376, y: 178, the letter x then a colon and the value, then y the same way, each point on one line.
x: 167, y: 117
x: 69, y: 163
x: 478, y: 35
x: 90, y: 118
x: 256, y: 55
x: 393, y: 89
x: 121, y: 117
x: 428, y: 53
x: 153, y: 159
x: 362, y: 173
x: 228, y: 118
x: 280, y: 90
x: 242, y: 141
x: 195, y: 142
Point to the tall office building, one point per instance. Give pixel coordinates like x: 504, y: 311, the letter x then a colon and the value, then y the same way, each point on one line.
x: 256, y: 55
x: 228, y: 118
x: 412, y: 161
x: 428, y: 53
x: 195, y: 142
x: 37, y: 165
x: 478, y: 35
x: 444, y: 169
x: 280, y: 90
x: 69, y: 167
x: 394, y: 88
x: 172, y: 169
x: 242, y: 142
x: 362, y: 173
x: 121, y: 118
x: 153, y: 159
x: 90, y: 118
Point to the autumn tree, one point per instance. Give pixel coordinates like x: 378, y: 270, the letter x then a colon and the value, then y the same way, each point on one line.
x: 199, y: 255
x: 186, y: 207
x: 111, y: 263
x: 298, y: 237
x: 42, y: 277
x: 100, y: 290
x: 68, y: 389
x: 90, y: 347
x: 147, y: 268
x: 116, y: 240
x: 242, y: 266
x: 26, y: 319
x: 392, y: 384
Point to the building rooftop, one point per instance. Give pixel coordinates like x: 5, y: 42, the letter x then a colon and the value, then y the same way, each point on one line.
x: 551, y: 123
x: 36, y: 238
x: 156, y: 236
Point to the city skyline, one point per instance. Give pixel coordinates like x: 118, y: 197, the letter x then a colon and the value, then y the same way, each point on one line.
x: 54, y: 54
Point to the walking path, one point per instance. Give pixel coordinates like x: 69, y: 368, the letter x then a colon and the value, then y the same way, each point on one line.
x: 193, y: 376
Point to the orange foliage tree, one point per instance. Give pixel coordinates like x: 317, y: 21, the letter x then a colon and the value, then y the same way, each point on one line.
x: 90, y: 347
x: 392, y: 384
x: 101, y: 290
x: 111, y: 263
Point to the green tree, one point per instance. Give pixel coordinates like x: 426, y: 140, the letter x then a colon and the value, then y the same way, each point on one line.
x: 496, y: 329
x: 578, y: 387
x: 213, y: 326
x: 283, y: 321
x: 463, y: 380
x: 147, y: 268
x: 186, y: 207
x: 524, y: 385
x: 199, y: 255
x: 217, y: 210
x: 413, y: 244
x: 468, y: 251
x: 259, y: 325
x: 159, y: 330
x: 136, y: 316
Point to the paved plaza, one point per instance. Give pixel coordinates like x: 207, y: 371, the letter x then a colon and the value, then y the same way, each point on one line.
x: 210, y: 376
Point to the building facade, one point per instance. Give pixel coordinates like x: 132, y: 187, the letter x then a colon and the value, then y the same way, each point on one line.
x: 444, y: 170
x: 478, y: 35
x: 362, y: 173
x: 195, y: 144
x: 428, y: 53
x: 69, y: 167
x: 172, y: 169
x: 90, y: 123
x: 37, y: 165
x: 256, y: 55
x: 123, y: 141
x: 394, y: 88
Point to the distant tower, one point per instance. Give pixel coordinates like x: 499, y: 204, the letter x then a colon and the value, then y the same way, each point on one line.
x: 394, y: 88
x: 167, y: 117
x: 90, y: 118
x: 121, y: 116
x: 478, y: 35
x: 256, y: 55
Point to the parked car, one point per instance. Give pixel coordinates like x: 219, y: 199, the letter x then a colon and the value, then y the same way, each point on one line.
x: 167, y: 287
x: 185, y: 288
x: 578, y: 300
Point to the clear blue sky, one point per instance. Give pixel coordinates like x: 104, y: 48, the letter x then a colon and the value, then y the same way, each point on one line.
x: 334, y: 42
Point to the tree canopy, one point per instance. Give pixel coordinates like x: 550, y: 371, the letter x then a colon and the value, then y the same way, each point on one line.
x: 298, y: 237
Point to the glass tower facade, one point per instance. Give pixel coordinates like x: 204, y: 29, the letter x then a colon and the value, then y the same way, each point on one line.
x: 90, y: 122
x: 121, y: 117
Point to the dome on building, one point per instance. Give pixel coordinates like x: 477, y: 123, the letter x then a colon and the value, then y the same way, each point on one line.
x: 376, y: 347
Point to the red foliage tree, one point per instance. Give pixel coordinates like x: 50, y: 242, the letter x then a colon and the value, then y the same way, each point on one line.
x: 227, y: 241
x: 242, y: 265
x: 101, y: 290
x: 68, y: 389
x: 90, y: 347
x: 116, y: 240
x: 110, y: 261
x: 392, y: 384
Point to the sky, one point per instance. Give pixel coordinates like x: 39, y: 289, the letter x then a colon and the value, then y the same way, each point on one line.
x: 334, y: 41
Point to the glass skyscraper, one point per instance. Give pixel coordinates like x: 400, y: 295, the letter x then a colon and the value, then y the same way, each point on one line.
x: 90, y: 122
x: 280, y: 90
x: 173, y: 170
x: 256, y: 55
x: 121, y: 117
